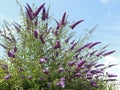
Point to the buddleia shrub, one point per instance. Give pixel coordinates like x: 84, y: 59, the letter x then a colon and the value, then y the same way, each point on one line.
x: 42, y: 53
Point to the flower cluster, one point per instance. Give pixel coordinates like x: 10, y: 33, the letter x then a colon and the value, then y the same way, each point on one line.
x: 41, y: 56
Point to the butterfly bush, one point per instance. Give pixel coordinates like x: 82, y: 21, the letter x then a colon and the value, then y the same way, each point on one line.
x: 42, y: 54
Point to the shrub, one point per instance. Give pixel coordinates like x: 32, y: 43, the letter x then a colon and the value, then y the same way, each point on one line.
x: 42, y: 54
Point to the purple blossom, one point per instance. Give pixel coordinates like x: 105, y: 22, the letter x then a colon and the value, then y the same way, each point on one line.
x: 96, y: 71
x: 29, y: 13
x: 7, y: 77
x: 92, y: 53
x: 93, y: 44
x: 15, y: 49
x: 62, y: 82
x: 108, y: 53
x: 58, y: 25
x: 30, y: 9
x: 86, y: 45
x: 63, y: 22
x: 80, y: 63
x: 78, y: 74
x: 42, y: 38
x: 99, y: 65
x: 112, y: 75
x: 94, y: 84
x: 38, y: 10
x: 75, y: 24
x: 44, y: 15
x: 42, y: 60
x: 35, y: 34
x: 67, y: 39
x: 46, y: 71
x: 11, y: 54
x: 71, y: 63
x: 89, y: 75
x: 57, y: 44
x: 60, y: 69
x: 100, y: 53
x: 72, y: 47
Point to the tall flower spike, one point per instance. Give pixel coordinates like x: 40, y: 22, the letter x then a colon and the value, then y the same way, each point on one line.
x: 11, y: 54
x: 35, y: 34
x: 42, y: 38
x: 43, y: 14
x: 93, y: 44
x: 29, y: 14
x: 57, y: 44
x: 29, y: 8
x: 58, y: 25
x: 62, y: 82
x: 15, y: 49
x: 75, y: 24
x: 86, y: 45
x: 63, y: 22
x: 72, y: 47
x: 38, y: 10
x: 108, y: 53
x: 80, y: 63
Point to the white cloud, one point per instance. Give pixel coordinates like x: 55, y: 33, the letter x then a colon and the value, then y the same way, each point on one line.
x: 110, y: 60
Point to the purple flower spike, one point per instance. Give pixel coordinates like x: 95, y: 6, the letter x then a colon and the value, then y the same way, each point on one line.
x: 11, y: 54
x: 35, y: 34
x: 86, y: 45
x: 29, y: 14
x: 112, y: 75
x: 96, y: 71
x: 7, y: 77
x: 94, y: 84
x: 42, y: 60
x: 99, y: 54
x: 43, y: 14
x: 78, y: 74
x: 92, y: 53
x: 72, y: 47
x: 15, y: 49
x: 29, y: 8
x: 93, y: 44
x: 61, y: 69
x: 108, y: 53
x: 57, y: 44
x: 38, y: 10
x: 75, y: 24
x: 99, y: 65
x: 46, y: 71
x: 63, y: 22
x: 80, y: 63
x: 58, y: 25
x: 71, y: 63
x: 62, y: 82
x: 42, y: 38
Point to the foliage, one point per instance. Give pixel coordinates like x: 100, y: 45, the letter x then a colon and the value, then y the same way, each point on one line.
x: 42, y: 54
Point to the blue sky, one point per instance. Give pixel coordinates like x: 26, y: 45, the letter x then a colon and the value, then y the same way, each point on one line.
x: 103, y: 12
